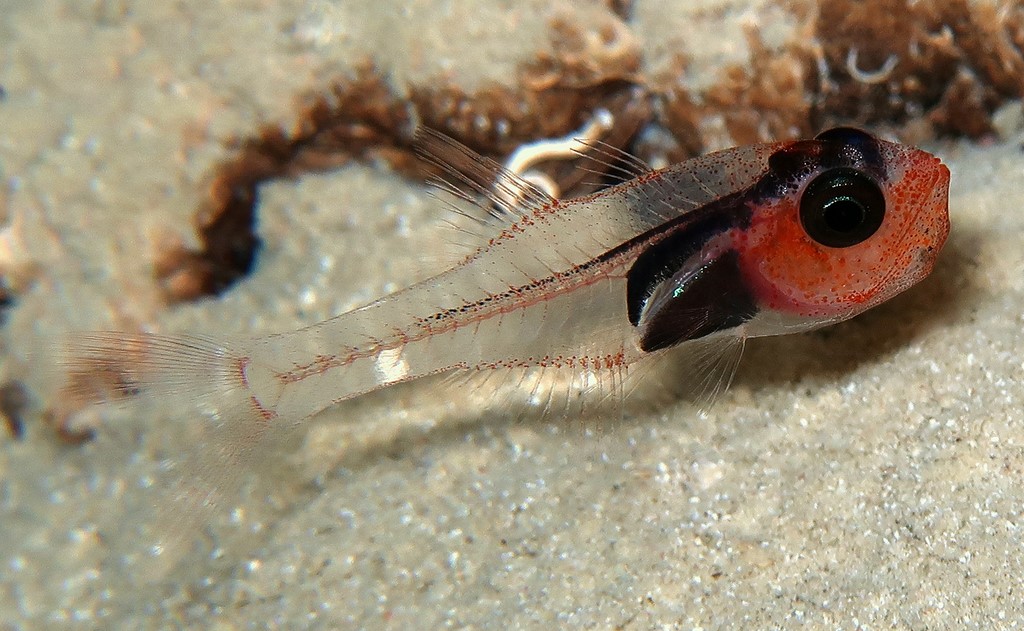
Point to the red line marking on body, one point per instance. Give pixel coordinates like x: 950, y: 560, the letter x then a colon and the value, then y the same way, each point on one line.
x: 466, y: 314
x: 595, y: 270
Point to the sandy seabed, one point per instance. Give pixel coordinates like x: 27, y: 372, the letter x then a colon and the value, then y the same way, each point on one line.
x: 864, y: 476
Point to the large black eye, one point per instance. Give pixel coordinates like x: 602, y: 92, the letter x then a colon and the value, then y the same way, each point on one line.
x: 845, y: 135
x: 842, y: 207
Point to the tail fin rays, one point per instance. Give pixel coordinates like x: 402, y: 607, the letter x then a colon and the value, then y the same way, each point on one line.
x: 185, y: 375
x: 106, y: 366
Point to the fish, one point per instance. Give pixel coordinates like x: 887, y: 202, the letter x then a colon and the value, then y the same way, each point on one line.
x: 696, y: 257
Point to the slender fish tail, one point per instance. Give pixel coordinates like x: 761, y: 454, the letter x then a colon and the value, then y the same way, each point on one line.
x: 248, y: 382
x: 110, y: 366
x: 285, y: 378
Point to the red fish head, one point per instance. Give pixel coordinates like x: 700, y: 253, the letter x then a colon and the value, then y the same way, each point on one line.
x: 842, y: 223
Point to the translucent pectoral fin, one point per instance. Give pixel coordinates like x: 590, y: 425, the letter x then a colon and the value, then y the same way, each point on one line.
x: 697, y: 372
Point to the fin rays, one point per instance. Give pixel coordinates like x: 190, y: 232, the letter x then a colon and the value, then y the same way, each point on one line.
x: 508, y: 196
x: 611, y: 161
x: 181, y: 374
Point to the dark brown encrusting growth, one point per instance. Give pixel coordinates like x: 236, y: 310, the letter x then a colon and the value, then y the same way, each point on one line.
x: 6, y: 298
x: 952, y: 61
x: 357, y: 120
x: 869, y: 62
x: 363, y: 119
x: 768, y: 101
x: 948, y: 64
x: 13, y: 401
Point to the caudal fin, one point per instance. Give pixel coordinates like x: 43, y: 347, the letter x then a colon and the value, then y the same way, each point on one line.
x: 106, y: 366
x: 198, y: 382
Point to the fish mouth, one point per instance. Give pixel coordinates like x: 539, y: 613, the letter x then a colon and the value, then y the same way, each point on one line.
x: 920, y: 258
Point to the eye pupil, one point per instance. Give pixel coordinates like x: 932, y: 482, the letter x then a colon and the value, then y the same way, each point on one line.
x: 841, y: 208
x: 843, y: 214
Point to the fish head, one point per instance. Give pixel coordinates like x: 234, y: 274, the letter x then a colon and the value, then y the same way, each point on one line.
x: 840, y: 224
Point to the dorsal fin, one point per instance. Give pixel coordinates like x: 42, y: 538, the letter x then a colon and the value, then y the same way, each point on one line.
x: 610, y: 161
x: 500, y: 196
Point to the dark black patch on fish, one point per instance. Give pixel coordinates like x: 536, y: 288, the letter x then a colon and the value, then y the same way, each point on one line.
x: 713, y: 298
